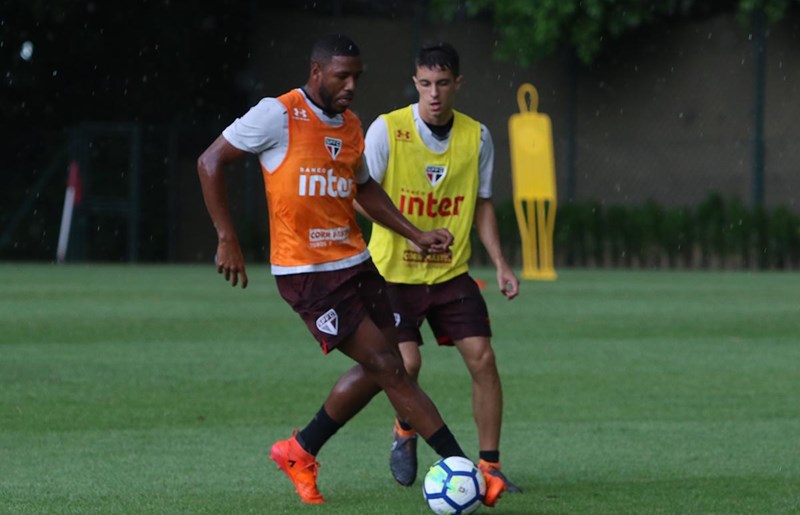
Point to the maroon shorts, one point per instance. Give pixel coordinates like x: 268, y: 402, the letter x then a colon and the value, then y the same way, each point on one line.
x: 454, y: 309
x: 333, y: 304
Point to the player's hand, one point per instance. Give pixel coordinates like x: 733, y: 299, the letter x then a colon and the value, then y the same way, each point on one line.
x: 507, y: 282
x: 230, y: 262
x: 436, y: 241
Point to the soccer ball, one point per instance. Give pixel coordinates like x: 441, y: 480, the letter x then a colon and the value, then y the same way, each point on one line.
x: 454, y: 486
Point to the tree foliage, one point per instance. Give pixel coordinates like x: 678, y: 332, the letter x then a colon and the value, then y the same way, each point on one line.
x: 529, y: 30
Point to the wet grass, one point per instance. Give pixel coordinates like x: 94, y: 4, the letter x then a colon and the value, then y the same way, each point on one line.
x: 158, y: 389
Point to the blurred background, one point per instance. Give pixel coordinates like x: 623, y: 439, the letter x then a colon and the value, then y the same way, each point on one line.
x: 674, y: 121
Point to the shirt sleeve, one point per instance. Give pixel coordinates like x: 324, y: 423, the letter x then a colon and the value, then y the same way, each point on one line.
x: 376, y: 151
x: 362, y: 172
x: 260, y: 129
x: 485, y: 164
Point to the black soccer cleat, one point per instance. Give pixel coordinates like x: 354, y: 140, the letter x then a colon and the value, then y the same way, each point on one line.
x: 403, y: 458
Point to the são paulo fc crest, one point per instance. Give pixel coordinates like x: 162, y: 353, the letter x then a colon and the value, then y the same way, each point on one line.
x: 334, y: 146
x: 328, y: 323
x: 435, y: 173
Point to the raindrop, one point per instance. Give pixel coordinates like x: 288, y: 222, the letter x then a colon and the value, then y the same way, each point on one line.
x: 26, y: 51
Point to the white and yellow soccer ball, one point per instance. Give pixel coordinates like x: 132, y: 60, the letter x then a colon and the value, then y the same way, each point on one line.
x: 454, y: 486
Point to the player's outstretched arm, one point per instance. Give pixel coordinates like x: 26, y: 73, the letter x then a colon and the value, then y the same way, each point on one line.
x: 210, y: 168
x: 376, y: 205
x: 486, y: 224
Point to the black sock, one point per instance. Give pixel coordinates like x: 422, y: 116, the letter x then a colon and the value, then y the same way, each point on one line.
x: 444, y: 443
x: 405, y: 426
x: 317, y: 432
x: 490, y: 456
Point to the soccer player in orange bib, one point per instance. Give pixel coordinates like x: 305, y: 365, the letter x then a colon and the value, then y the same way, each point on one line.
x: 310, y: 146
x: 436, y: 164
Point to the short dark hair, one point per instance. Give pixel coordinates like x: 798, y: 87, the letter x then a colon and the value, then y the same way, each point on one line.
x: 438, y: 55
x: 331, y: 45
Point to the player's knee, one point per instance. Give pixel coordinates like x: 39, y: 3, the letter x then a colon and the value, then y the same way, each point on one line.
x: 483, y: 361
x: 385, y: 367
x: 413, y: 365
x: 412, y: 359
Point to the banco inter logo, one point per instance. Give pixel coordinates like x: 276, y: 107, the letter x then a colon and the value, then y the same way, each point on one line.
x: 321, y: 182
x: 333, y: 146
x: 430, y: 206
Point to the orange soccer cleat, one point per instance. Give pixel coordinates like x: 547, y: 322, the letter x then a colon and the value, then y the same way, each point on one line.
x: 486, y: 466
x: 299, y: 466
x: 496, y: 482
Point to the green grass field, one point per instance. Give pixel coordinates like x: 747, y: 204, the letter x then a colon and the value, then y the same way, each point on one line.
x: 159, y: 389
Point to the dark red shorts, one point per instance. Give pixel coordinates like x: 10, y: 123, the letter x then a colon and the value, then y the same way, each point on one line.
x: 454, y: 309
x: 333, y: 304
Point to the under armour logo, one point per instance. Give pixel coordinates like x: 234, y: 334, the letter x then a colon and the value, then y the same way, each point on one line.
x: 401, y: 134
x: 300, y: 114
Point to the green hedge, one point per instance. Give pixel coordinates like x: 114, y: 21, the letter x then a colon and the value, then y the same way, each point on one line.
x: 716, y: 233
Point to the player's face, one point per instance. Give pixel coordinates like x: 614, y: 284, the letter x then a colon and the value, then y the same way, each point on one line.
x: 337, y: 82
x: 437, y: 93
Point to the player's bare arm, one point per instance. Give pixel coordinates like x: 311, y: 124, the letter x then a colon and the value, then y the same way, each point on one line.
x: 210, y: 167
x: 486, y: 225
x: 376, y: 205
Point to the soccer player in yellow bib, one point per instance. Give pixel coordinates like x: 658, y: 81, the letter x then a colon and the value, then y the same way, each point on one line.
x: 436, y: 164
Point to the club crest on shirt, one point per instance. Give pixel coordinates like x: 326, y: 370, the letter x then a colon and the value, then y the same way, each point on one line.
x: 333, y: 145
x: 435, y: 173
x: 328, y: 323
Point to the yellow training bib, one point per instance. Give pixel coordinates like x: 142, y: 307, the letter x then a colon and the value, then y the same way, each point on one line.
x: 432, y: 190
